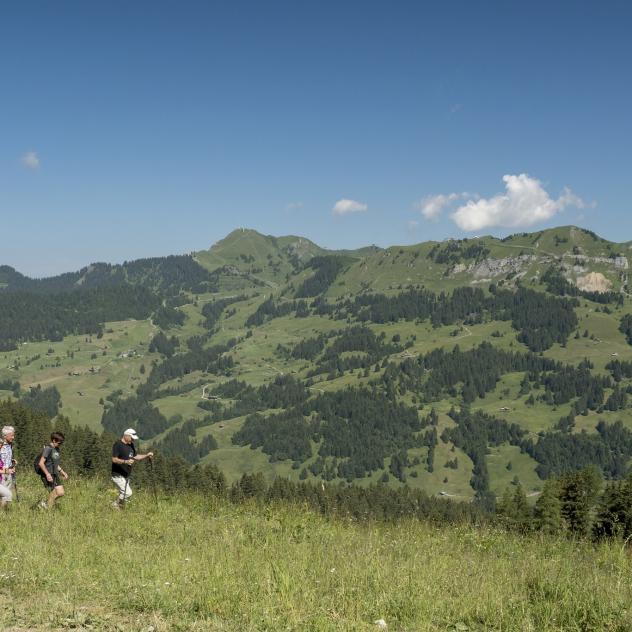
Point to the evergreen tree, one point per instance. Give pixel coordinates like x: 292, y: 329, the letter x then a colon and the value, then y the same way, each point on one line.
x: 578, y: 496
x: 514, y: 510
x: 614, y: 515
x: 548, y: 509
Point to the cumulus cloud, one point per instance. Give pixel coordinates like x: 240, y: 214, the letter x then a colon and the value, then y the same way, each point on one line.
x: 432, y: 205
x: 344, y: 206
x: 524, y: 203
x: 31, y: 160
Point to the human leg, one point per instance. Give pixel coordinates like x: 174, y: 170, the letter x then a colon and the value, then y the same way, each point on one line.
x: 50, y: 487
x: 5, y: 496
x: 56, y: 492
x: 124, y: 490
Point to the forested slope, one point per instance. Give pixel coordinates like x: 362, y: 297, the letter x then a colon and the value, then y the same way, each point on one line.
x: 460, y: 367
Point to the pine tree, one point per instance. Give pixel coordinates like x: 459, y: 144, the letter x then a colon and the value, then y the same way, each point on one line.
x: 514, y: 510
x: 548, y: 509
x: 579, y: 493
x: 614, y: 515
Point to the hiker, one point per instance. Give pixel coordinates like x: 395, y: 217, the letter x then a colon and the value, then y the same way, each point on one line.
x: 123, y: 458
x: 50, y: 469
x: 7, y: 465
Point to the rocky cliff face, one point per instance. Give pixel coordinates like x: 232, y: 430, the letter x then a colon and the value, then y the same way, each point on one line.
x: 576, y: 268
x: 494, y: 267
x: 490, y: 268
x: 619, y: 263
x: 594, y: 282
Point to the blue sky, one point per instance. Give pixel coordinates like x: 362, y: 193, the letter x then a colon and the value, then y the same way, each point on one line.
x: 133, y: 129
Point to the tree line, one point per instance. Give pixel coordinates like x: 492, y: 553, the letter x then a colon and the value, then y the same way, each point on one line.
x: 576, y: 503
x: 541, y: 320
x: 164, y: 275
x: 354, y: 429
x: 25, y: 316
x: 87, y: 453
x: 327, y: 268
x: 458, y: 250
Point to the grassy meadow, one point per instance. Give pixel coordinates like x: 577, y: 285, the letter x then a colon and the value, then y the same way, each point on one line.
x: 202, y: 563
x: 85, y: 368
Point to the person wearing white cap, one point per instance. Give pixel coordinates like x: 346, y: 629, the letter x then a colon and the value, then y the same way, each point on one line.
x: 124, y: 456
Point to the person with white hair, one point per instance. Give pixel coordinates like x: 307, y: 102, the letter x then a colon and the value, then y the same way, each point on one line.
x: 7, y: 465
x: 124, y: 456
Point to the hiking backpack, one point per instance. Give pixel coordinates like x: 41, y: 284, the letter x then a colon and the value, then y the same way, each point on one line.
x: 36, y: 466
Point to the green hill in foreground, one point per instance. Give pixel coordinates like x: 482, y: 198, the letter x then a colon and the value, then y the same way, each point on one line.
x: 190, y: 562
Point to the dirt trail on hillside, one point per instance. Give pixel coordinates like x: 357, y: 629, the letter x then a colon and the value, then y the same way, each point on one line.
x: 48, y: 380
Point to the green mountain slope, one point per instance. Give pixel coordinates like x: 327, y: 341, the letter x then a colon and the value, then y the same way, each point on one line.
x: 270, y: 260
x: 584, y: 258
x: 341, y: 365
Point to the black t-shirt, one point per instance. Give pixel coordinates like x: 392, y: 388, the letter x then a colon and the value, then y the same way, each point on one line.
x: 125, y: 451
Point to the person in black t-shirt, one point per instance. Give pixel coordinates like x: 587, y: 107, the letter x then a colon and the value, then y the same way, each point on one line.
x: 124, y: 456
x: 50, y: 469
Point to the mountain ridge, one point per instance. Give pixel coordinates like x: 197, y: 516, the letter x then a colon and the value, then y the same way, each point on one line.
x: 260, y: 359
x: 273, y: 258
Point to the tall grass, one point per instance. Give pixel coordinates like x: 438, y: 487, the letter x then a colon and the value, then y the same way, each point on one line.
x: 196, y: 563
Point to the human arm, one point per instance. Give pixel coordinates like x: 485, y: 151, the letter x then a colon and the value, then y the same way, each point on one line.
x: 119, y: 461
x: 7, y: 463
x: 44, y: 469
x: 62, y: 472
x: 142, y: 457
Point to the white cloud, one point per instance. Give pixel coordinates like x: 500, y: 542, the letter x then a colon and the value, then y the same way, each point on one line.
x: 294, y: 206
x: 432, y: 205
x: 31, y: 160
x: 413, y: 224
x: 344, y: 206
x: 524, y: 203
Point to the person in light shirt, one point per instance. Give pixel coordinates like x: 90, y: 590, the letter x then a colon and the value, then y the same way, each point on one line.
x: 7, y: 466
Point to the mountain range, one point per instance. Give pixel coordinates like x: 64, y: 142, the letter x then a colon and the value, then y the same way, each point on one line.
x: 460, y: 366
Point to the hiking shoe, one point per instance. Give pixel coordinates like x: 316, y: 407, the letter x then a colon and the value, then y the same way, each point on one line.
x: 116, y: 505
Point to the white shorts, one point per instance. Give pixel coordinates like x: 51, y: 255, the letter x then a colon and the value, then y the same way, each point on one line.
x: 122, y: 484
x: 5, y: 494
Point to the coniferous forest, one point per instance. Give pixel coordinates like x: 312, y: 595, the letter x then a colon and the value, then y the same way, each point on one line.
x: 325, y: 377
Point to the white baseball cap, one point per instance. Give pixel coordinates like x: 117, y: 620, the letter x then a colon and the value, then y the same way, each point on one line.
x: 132, y: 433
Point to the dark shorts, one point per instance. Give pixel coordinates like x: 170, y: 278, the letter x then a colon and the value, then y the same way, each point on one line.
x: 51, y: 486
